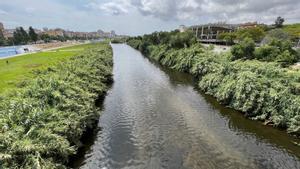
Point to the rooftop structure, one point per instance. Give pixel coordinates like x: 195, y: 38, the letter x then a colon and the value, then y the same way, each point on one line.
x: 248, y: 25
x: 209, y: 32
x: 54, y: 32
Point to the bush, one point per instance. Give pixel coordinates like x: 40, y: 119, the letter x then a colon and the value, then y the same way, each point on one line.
x: 135, y: 43
x: 118, y: 40
x: 266, y: 53
x: 298, y: 54
x: 237, y: 52
x: 42, y: 123
x: 256, y: 33
x: 228, y: 37
x: 286, y: 58
x: 280, y: 51
x: 181, y: 40
x: 143, y: 47
x: 244, y: 49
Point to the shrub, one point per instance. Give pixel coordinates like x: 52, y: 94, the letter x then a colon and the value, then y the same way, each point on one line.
x: 256, y: 33
x: 228, y: 37
x: 118, y: 40
x: 184, y: 39
x: 244, y: 49
x: 286, y: 58
x: 266, y: 53
x: 298, y: 54
x: 237, y: 52
x: 42, y: 123
x: 135, y: 43
x: 143, y: 47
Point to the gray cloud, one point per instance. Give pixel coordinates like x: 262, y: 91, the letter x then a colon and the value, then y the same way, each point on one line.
x: 115, y: 7
x: 213, y: 10
x: 141, y: 16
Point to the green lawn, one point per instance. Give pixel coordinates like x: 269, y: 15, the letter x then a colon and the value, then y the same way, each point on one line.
x: 20, y: 68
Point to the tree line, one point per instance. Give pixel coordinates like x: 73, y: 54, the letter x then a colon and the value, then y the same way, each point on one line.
x: 22, y: 37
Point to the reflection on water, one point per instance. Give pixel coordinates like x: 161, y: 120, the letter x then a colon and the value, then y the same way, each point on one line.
x: 154, y: 118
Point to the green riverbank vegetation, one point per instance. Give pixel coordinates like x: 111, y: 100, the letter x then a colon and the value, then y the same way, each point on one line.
x: 42, y: 121
x: 256, y: 81
x: 16, y: 70
x: 118, y: 40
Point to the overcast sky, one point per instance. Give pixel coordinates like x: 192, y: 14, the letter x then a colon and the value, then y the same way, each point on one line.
x: 134, y: 17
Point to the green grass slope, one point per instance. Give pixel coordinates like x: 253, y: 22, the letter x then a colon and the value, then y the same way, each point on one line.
x: 20, y: 68
x: 41, y: 123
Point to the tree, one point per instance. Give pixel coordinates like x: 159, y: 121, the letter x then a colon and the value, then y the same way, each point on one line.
x: 228, y: 37
x: 182, y: 39
x: 255, y: 33
x: 279, y: 22
x: 45, y: 37
x: 2, y: 39
x: 33, y: 36
x: 267, y: 53
x: 20, y: 36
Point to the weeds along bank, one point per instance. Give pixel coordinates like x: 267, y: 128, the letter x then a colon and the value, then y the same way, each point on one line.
x: 262, y: 90
x: 41, y: 124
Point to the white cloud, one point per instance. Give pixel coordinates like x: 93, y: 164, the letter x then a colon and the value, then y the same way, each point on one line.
x: 116, y: 7
x: 141, y: 16
x: 214, y: 10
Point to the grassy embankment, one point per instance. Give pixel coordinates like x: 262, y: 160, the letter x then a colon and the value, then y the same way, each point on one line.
x: 263, y: 90
x: 20, y: 68
x: 292, y: 29
x: 42, y: 122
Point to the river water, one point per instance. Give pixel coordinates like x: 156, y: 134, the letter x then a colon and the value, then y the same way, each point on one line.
x: 154, y: 118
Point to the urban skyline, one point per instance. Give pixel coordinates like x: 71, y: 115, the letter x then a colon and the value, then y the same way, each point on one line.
x: 136, y: 17
x: 8, y: 32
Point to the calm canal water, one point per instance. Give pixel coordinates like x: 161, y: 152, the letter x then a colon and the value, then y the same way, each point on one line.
x: 154, y: 118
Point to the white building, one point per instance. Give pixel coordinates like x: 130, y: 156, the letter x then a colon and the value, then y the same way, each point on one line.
x: 182, y: 28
